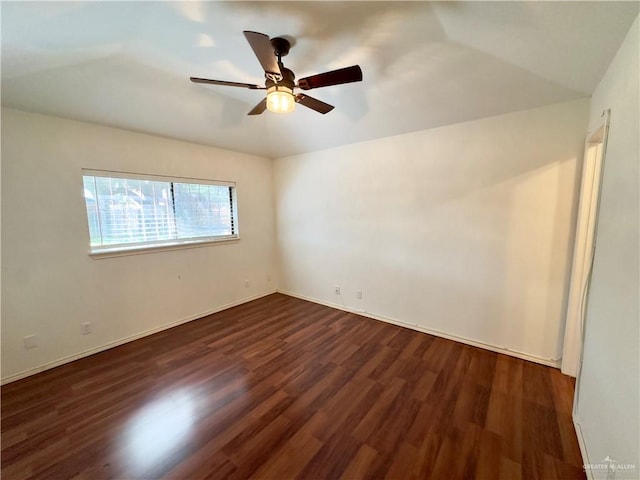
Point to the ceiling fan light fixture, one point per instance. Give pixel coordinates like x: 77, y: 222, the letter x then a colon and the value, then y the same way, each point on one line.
x: 280, y: 99
x: 280, y: 82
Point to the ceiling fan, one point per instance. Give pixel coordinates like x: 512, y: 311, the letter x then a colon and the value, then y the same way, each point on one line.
x: 280, y: 81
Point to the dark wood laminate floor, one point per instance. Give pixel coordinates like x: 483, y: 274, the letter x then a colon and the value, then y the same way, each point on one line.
x: 280, y: 388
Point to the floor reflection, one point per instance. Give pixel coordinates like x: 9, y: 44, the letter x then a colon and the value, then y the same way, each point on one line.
x: 158, y: 430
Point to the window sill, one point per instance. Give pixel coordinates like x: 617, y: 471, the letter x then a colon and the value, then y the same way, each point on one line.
x: 164, y: 247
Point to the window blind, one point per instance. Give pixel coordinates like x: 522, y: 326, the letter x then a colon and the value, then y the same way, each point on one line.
x: 136, y: 210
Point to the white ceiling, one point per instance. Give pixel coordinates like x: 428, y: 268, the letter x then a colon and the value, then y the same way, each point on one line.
x: 425, y: 64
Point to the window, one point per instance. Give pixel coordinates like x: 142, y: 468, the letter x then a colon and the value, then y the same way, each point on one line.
x: 130, y: 212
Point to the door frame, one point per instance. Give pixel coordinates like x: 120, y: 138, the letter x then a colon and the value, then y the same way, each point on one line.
x: 584, y: 247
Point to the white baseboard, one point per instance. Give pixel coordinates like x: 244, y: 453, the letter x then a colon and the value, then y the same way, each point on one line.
x: 130, y: 338
x: 115, y: 343
x: 513, y: 353
x: 583, y: 448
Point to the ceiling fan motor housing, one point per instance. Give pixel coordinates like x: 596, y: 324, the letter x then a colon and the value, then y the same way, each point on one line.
x: 288, y: 79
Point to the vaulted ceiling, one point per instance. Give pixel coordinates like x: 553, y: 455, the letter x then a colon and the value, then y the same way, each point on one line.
x: 425, y: 64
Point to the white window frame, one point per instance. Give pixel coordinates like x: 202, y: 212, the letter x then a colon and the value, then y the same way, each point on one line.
x: 162, y: 245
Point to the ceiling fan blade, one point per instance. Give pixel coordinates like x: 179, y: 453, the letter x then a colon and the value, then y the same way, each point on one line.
x: 228, y: 84
x: 313, y: 103
x: 261, y: 46
x: 259, y: 108
x: 334, y: 77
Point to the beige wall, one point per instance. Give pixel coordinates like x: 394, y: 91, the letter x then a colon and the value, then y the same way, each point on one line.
x: 609, y: 392
x: 466, y: 230
x: 480, y: 211
x: 49, y: 283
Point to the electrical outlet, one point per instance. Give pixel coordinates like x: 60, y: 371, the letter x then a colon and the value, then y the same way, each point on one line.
x: 268, y: 278
x: 337, y: 290
x: 30, y: 341
x: 246, y: 284
x: 86, y: 328
x: 359, y: 294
